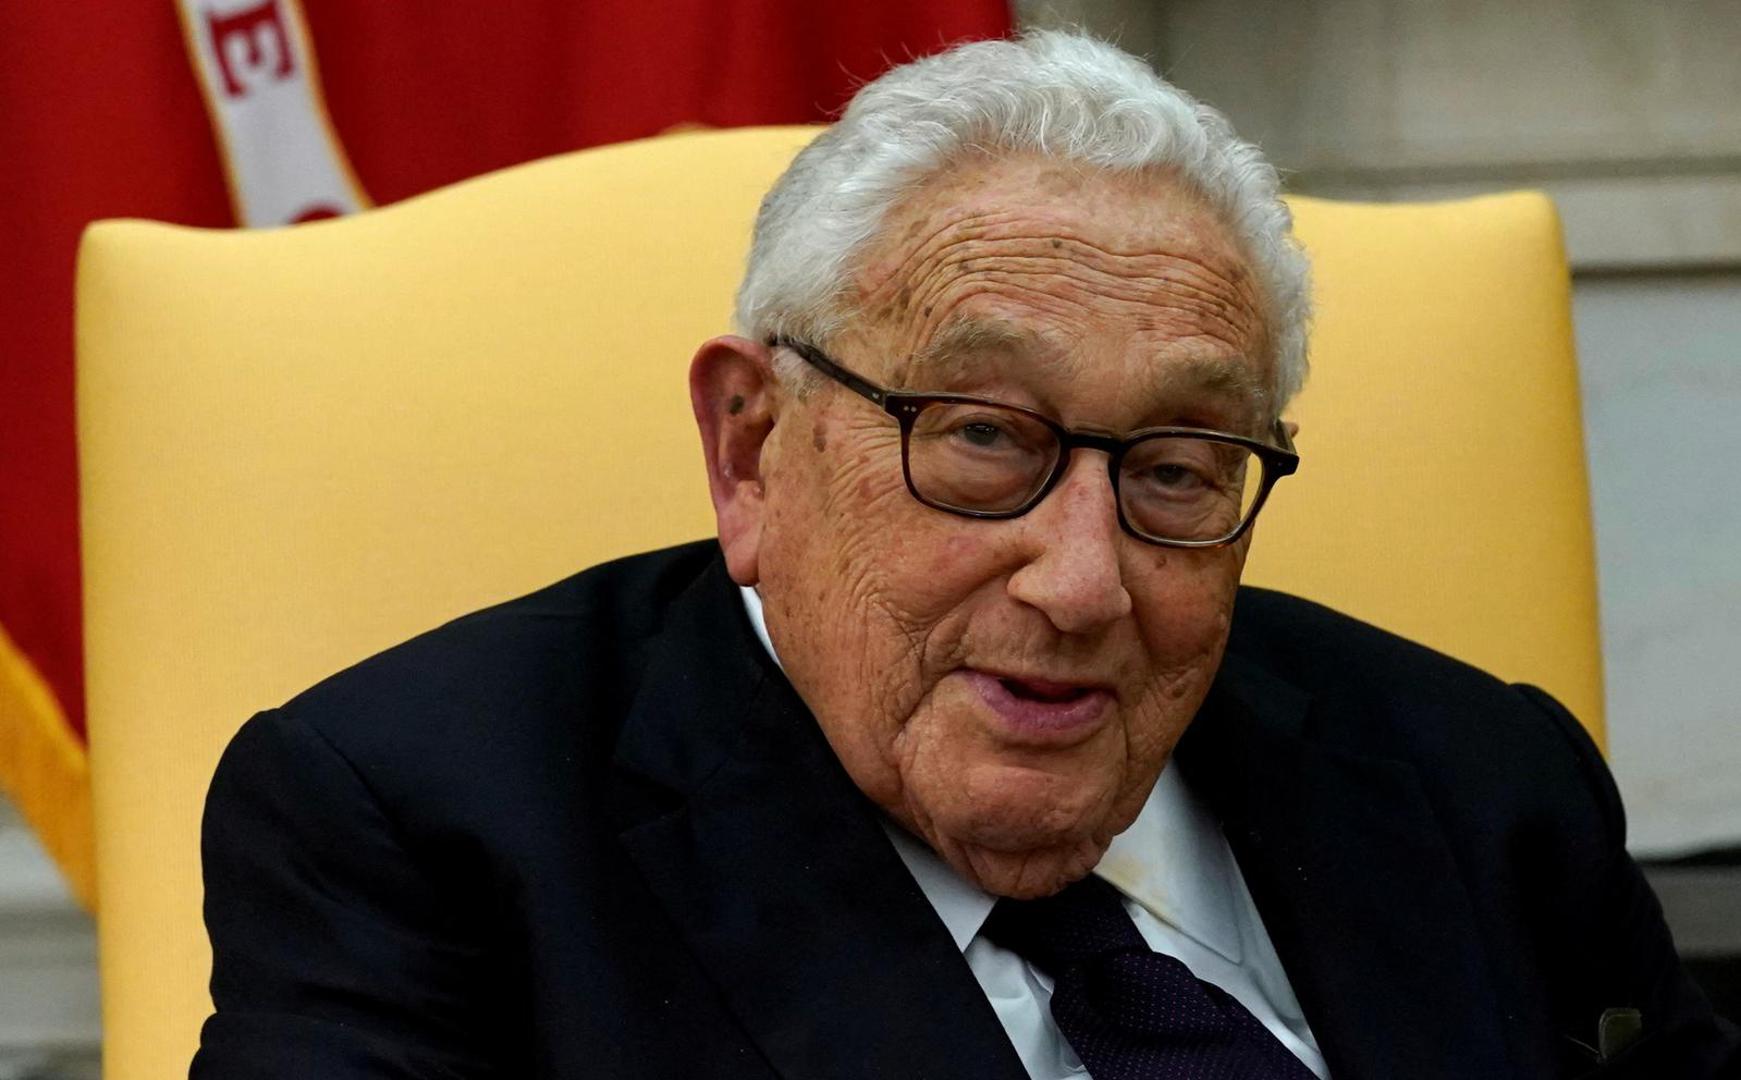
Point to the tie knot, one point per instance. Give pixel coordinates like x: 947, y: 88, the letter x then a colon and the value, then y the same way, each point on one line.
x: 1084, y: 921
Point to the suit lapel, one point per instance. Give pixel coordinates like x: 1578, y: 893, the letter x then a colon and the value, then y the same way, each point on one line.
x: 1356, y: 887
x: 777, y: 872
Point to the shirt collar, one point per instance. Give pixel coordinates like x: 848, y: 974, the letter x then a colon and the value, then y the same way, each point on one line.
x: 1173, y: 860
x: 753, y: 606
x: 962, y: 905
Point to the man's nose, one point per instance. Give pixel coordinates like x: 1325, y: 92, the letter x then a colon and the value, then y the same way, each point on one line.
x: 1072, y: 572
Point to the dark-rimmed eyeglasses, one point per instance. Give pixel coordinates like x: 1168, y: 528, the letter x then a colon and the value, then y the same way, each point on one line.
x: 1176, y: 486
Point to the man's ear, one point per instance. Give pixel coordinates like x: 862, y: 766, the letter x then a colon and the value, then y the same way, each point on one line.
x: 736, y: 400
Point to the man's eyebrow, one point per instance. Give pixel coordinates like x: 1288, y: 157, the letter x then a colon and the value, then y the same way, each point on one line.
x: 1218, y: 383
x: 1222, y: 375
x: 964, y: 338
x: 967, y: 342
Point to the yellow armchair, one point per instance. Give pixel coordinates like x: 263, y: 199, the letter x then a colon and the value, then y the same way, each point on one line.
x: 298, y: 447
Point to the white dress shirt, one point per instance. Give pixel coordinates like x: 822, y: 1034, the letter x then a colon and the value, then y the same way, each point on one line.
x: 1183, y: 890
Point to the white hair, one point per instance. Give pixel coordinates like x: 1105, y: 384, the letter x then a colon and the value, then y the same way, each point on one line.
x: 1063, y: 94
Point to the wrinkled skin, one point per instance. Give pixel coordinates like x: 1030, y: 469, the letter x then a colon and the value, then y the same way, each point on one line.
x: 1109, y: 302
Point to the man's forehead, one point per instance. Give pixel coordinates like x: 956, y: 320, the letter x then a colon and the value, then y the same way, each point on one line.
x: 1061, y: 197
x: 996, y: 267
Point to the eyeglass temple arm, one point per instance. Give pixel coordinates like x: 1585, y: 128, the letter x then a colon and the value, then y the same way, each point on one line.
x: 820, y: 361
x: 1283, y: 439
x: 1285, y: 443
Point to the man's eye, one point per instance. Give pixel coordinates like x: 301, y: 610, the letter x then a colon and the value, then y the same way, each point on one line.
x: 981, y: 434
x: 1177, y: 478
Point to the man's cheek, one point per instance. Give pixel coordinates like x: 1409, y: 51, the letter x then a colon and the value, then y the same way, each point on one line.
x: 1186, y: 607
x: 962, y: 549
x: 898, y: 575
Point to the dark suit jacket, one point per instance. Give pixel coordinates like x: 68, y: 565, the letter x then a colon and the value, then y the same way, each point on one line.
x: 594, y: 833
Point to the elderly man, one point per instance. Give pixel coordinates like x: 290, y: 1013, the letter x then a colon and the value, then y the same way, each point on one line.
x: 952, y: 757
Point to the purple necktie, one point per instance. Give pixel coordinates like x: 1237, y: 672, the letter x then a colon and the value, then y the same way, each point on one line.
x: 1131, y: 1013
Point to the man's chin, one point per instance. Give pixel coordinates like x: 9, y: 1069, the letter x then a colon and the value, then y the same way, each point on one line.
x: 1019, y: 832
x: 1023, y: 875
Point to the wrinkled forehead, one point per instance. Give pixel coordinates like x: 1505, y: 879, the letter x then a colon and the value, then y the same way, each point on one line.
x: 968, y: 345
x: 1045, y: 268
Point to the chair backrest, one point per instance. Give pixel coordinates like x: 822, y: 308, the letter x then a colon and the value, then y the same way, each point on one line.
x: 300, y: 446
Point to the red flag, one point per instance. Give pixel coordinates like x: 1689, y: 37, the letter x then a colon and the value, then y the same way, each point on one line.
x: 105, y: 117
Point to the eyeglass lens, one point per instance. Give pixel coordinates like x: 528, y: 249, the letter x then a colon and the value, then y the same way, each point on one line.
x: 984, y: 459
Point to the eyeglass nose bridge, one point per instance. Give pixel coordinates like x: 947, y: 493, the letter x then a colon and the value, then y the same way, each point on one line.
x: 1068, y: 443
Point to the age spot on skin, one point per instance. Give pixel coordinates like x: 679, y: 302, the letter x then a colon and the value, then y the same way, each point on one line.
x: 737, y: 404
x: 819, y: 437
x: 1060, y: 181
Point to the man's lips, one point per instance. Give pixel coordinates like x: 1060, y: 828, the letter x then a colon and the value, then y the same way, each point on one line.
x: 1040, y: 711
x: 1043, y: 689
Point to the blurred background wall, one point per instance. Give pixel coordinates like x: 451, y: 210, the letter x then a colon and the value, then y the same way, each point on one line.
x: 1629, y: 113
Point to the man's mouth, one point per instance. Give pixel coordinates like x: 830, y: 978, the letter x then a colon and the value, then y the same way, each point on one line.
x: 1042, y: 690
x: 1042, y: 712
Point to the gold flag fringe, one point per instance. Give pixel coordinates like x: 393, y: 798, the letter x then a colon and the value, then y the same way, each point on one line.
x: 44, y: 771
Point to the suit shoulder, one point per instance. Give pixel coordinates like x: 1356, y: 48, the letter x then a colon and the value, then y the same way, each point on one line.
x: 1323, y: 651
x: 570, y: 648
x: 1379, y: 692
x: 1500, y: 764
